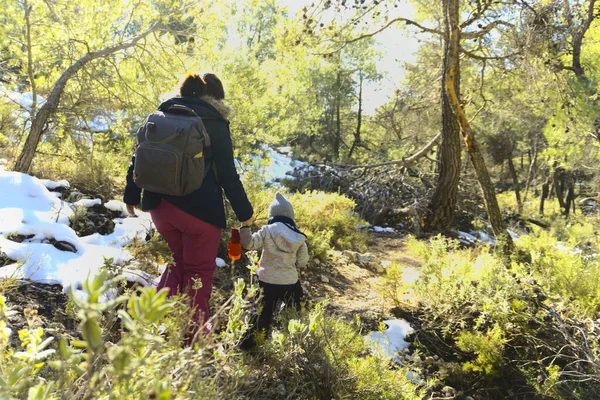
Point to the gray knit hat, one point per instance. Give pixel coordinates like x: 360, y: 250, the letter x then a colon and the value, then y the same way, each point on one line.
x: 281, y: 207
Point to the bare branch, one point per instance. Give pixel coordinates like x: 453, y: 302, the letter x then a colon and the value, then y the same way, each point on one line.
x: 486, y: 58
x: 406, y: 162
x: 485, y: 30
x: 407, y: 21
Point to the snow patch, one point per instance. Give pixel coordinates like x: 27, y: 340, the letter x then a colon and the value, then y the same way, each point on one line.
x: 29, y: 208
x: 53, y: 185
x: 391, y: 340
x: 384, y: 230
x: 87, y: 203
x: 117, y: 206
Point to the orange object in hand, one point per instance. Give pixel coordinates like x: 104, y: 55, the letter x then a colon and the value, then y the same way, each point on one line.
x: 234, y: 248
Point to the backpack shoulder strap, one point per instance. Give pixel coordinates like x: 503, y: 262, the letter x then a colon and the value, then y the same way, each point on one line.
x: 182, y: 110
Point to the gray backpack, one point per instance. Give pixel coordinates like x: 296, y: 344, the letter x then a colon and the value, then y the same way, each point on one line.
x: 170, y: 153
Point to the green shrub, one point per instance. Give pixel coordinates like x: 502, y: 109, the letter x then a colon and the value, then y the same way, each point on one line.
x: 521, y: 323
x: 310, y: 355
x: 329, y: 221
x: 569, y: 272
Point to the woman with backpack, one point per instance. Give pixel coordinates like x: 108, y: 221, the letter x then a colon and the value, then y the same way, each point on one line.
x: 191, y: 224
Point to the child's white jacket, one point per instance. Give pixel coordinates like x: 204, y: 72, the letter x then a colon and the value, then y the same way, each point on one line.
x: 284, y: 250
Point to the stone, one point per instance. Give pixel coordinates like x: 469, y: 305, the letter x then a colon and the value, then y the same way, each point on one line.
x: 366, y: 258
x: 316, y: 261
x: 75, y: 196
x: 351, y: 255
x: 324, y: 279
x: 448, y: 391
x: 65, y: 246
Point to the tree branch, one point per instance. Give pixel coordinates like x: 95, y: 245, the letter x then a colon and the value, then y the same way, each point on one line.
x: 486, y: 58
x: 406, y: 162
x: 407, y: 21
x: 485, y: 30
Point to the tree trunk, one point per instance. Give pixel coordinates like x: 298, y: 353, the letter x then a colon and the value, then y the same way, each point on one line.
x: 338, y: 119
x: 451, y: 13
x: 516, y: 185
x: 357, y: 139
x: 442, y: 205
x: 47, y: 110
x: 570, y: 200
x: 30, y: 73
x: 557, y: 182
x: 544, y: 196
x: 531, y: 173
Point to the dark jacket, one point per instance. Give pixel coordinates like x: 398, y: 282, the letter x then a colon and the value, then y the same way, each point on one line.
x: 205, y: 203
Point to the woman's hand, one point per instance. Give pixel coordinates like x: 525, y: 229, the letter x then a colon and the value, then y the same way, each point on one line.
x: 248, y: 222
x: 131, y: 210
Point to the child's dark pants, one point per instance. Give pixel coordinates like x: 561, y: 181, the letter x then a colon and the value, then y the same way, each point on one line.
x: 290, y: 295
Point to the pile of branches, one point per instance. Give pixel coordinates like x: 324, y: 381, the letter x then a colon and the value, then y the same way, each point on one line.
x: 376, y: 190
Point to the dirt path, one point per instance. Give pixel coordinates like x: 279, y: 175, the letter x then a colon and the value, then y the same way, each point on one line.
x: 353, y: 289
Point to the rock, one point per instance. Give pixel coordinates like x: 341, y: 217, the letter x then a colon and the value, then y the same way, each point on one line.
x: 65, y: 246
x: 448, y: 391
x: 386, y: 264
x: 351, y: 255
x: 324, y: 279
x: 436, y: 357
x: 75, y: 196
x: 306, y: 284
x: 281, y: 389
x: 460, y: 395
x: 366, y: 258
x: 316, y: 261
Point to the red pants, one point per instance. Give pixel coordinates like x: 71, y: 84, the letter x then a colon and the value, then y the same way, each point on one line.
x: 194, y: 244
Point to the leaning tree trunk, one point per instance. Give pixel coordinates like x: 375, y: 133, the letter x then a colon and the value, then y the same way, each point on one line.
x: 516, y: 185
x: 442, y: 205
x: 40, y: 119
x: 451, y: 13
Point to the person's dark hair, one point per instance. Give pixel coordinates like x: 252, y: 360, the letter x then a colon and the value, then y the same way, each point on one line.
x: 192, y: 85
x: 214, y: 86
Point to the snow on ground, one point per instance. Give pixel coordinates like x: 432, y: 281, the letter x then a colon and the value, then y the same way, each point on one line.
x: 383, y: 230
x: 52, y: 185
x: 87, y: 203
x: 280, y: 162
x: 29, y: 208
x: 391, y: 340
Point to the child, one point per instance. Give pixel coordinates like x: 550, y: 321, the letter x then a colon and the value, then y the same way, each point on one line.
x: 284, y: 250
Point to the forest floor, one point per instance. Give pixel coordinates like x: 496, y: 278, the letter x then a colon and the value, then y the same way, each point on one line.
x: 355, y: 290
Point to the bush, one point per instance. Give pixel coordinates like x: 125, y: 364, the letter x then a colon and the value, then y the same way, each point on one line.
x: 327, y: 219
x: 312, y: 356
x: 523, y: 323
